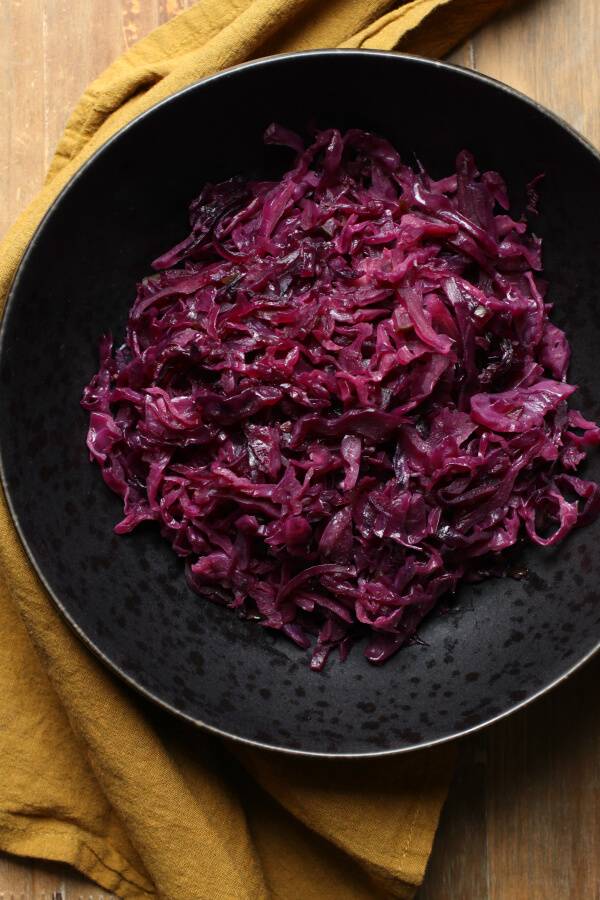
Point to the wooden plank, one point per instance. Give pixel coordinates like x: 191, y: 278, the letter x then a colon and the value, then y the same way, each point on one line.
x: 30, y: 879
x: 169, y: 8
x: 65, y: 31
x: 16, y: 878
x: 104, y: 36
x: 5, y: 113
x: 24, y: 121
x: 458, y: 868
x: 56, y: 881
x: 543, y: 796
x: 137, y: 19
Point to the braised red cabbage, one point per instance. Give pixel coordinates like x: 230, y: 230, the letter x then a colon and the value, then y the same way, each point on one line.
x: 341, y: 394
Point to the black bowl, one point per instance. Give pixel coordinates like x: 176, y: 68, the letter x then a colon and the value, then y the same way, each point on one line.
x: 507, y: 641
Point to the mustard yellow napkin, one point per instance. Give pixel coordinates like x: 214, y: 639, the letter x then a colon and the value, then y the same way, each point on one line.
x: 90, y: 773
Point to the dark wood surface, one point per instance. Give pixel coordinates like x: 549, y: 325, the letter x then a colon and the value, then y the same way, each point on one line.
x: 522, y: 819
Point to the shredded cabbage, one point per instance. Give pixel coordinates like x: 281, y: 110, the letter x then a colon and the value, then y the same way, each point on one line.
x: 341, y: 394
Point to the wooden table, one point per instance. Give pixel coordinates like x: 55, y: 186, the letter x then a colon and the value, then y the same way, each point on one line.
x: 523, y: 816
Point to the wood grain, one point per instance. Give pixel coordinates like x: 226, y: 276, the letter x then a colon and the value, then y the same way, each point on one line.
x: 522, y: 820
x: 22, y: 122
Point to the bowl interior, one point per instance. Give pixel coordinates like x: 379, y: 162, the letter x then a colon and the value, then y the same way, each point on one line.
x: 506, y: 640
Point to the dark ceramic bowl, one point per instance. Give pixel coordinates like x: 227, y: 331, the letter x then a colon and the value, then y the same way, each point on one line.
x: 507, y: 641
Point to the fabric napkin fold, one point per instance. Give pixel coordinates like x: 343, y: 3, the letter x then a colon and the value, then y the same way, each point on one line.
x: 92, y: 774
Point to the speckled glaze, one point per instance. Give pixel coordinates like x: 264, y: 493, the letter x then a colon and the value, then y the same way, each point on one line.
x: 505, y: 641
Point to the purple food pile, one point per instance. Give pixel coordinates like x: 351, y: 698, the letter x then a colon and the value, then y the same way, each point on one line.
x: 342, y: 393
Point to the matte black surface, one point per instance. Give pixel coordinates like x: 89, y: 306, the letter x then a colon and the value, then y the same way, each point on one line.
x: 507, y: 640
